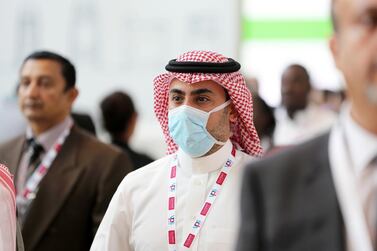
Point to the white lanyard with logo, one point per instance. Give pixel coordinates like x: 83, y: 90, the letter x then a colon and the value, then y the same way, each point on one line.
x: 346, y: 187
x: 39, y: 173
x: 204, y: 211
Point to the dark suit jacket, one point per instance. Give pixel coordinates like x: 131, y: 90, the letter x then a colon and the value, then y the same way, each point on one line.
x: 19, y: 241
x: 289, y: 202
x: 74, y: 194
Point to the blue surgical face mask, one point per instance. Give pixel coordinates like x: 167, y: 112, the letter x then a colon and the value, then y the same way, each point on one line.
x: 187, y: 127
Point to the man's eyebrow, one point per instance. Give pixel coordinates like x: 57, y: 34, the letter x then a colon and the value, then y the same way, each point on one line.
x: 177, y: 91
x: 372, y: 10
x: 45, y: 78
x: 41, y: 76
x: 201, y: 91
x: 194, y: 92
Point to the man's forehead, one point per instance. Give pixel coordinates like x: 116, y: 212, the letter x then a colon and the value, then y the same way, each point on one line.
x: 343, y: 8
x: 208, y: 84
x: 362, y: 2
x: 293, y: 73
x: 46, y: 66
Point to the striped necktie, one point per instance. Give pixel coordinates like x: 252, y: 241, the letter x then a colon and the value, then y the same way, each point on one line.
x: 35, y: 156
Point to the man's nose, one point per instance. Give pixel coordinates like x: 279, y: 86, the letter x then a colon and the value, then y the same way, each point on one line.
x: 287, y: 87
x: 32, y: 90
x: 189, y: 102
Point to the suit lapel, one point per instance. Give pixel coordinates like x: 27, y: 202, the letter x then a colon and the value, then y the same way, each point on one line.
x: 53, y: 191
x: 14, y: 154
x: 320, y: 184
x: 319, y: 161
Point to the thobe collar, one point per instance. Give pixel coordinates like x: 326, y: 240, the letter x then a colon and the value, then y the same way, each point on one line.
x: 210, y: 163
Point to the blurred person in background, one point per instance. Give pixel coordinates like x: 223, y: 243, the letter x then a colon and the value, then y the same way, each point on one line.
x: 322, y: 194
x: 296, y: 119
x: 253, y: 84
x: 333, y: 100
x: 205, y: 111
x: 64, y: 177
x: 84, y: 121
x: 16, y: 122
x: 264, y: 122
x: 316, y: 97
x: 119, y: 119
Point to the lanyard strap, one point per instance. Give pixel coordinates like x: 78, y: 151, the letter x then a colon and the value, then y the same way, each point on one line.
x: 204, y: 211
x: 39, y: 173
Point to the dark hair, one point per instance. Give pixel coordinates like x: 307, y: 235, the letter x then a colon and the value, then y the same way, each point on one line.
x: 301, y: 68
x: 68, y: 70
x: 117, y: 110
x: 266, y: 111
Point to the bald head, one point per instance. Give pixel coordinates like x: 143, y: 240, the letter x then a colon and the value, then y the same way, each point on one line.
x: 295, y: 88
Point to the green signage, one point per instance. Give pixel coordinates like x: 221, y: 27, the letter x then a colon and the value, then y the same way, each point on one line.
x: 286, y: 29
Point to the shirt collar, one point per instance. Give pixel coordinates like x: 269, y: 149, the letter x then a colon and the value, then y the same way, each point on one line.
x: 48, y: 138
x: 362, y: 143
x: 205, y: 164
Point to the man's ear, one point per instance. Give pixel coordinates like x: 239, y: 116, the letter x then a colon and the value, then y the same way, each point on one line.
x: 72, y: 94
x: 233, y: 113
x: 334, y: 48
x: 130, y: 127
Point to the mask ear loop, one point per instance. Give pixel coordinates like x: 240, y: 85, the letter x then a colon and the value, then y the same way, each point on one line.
x: 218, y: 108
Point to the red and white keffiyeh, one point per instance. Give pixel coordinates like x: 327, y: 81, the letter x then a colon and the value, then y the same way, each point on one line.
x: 7, y: 211
x: 244, y: 133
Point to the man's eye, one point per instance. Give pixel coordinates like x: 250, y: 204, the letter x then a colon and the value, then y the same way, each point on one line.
x: 370, y: 21
x: 24, y: 83
x: 176, y: 98
x: 45, y: 82
x: 202, y: 99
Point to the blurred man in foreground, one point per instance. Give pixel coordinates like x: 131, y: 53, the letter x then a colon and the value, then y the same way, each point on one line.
x: 321, y: 195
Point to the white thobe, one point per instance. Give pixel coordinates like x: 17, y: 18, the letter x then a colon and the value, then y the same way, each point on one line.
x: 137, y: 215
x: 7, y: 212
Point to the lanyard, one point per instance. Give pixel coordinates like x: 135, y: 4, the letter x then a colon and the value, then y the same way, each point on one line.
x: 346, y: 187
x: 202, y: 215
x: 34, y: 180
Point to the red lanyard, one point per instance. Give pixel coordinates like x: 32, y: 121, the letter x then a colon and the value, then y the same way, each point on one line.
x: 204, y: 211
x: 34, y: 180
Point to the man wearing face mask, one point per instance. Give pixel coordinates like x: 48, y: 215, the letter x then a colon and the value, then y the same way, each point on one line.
x: 188, y: 199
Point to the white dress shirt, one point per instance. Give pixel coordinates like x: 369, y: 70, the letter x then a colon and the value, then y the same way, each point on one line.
x: 47, y: 140
x: 352, y: 148
x: 137, y: 215
x: 306, y: 124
